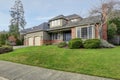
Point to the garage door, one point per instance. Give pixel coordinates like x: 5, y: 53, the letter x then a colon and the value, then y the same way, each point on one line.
x: 30, y: 41
x: 37, y: 41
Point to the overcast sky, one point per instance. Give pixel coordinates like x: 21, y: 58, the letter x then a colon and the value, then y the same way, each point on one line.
x: 38, y: 11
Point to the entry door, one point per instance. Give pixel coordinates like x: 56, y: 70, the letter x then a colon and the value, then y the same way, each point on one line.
x: 66, y: 36
x: 30, y: 41
x: 37, y: 41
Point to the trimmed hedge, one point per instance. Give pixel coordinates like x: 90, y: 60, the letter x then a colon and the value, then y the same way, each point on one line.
x: 75, y: 43
x: 62, y: 44
x: 92, y: 43
x: 6, y: 49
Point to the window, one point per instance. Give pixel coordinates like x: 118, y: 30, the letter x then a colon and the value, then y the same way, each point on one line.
x: 84, y: 33
x: 55, y: 36
x: 74, y: 20
x: 66, y: 36
x: 58, y: 22
x: 90, y: 32
x: 78, y: 32
x: 55, y: 23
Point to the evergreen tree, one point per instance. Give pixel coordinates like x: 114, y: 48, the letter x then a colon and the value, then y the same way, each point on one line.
x: 18, y: 21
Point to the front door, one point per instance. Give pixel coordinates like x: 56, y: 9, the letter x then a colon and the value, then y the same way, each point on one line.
x: 67, y: 36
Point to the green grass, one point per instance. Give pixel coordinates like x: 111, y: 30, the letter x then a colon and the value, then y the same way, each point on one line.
x: 99, y: 62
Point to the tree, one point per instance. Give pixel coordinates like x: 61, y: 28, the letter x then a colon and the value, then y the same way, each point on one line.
x: 105, y: 10
x: 18, y: 21
x: 116, y: 21
x: 3, y: 38
x: 112, y: 28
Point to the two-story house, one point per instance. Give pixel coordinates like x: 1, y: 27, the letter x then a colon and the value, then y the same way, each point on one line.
x: 64, y: 28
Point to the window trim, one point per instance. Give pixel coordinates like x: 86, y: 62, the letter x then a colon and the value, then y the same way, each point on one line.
x: 88, y: 37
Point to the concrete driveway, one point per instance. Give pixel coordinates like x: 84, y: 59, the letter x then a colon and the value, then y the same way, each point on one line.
x: 14, y: 71
x: 1, y: 78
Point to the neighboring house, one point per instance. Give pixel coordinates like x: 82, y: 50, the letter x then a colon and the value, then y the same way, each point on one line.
x: 64, y: 28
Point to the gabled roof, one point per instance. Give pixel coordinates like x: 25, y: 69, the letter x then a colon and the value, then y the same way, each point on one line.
x: 43, y: 26
x: 84, y: 21
x: 58, y: 17
x: 73, y: 16
x: 90, y: 20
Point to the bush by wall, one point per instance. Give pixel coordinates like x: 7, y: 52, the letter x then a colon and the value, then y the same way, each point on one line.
x: 5, y: 49
x: 75, y: 43
x: 62, y: 44
x: 92, y: 43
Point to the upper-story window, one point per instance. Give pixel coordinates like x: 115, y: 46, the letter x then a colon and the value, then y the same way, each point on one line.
x: 74, y: 20
x: 55, y: 23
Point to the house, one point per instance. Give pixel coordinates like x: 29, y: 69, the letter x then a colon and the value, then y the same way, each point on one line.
x: 64, y: 28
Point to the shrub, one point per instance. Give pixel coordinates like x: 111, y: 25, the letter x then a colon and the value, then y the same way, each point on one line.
x: 75, y: 43
x: 112, y: 29
x: 5, y: 49
x: 92, y: 43
x: 62, y: 44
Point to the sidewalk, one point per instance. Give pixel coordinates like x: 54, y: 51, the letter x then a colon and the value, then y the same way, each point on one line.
x: 14, y: 71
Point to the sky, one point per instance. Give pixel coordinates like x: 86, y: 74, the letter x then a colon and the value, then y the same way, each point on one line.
x: 39, y: 11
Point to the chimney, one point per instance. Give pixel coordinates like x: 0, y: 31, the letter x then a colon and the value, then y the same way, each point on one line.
x: 104, y: 21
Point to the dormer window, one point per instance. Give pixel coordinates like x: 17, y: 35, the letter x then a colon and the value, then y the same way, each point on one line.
x: 74, y: 20
x: 55, y: 23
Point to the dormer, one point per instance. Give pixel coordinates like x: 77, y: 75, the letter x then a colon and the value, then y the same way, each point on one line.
x: 73, y: 18
x: 58, y: 21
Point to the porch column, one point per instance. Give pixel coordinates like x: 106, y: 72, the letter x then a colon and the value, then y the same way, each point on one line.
x: 73, y: 33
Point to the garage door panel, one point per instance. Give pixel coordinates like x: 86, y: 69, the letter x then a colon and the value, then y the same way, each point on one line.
x: 30, y: 41
x: 37, y: 41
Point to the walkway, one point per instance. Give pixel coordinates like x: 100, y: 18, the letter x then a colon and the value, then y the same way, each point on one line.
x: 14, y: 71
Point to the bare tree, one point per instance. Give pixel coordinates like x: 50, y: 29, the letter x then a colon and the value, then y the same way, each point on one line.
x: 105, y: 10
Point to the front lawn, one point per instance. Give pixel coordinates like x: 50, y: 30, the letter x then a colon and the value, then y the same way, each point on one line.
x: 99, y: 62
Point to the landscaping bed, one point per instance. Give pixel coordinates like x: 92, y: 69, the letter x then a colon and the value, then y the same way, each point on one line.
x: 99, y: 62
x: 5, y: 49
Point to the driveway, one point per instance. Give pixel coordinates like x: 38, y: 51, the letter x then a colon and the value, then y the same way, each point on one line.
x: 1, y: 78
x: 17, y: 47
x: 14, y: 71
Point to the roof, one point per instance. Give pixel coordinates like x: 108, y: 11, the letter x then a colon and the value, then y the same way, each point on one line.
x: 58, y: 17
x: 73, y: 16
x: 41, y: 27
x: 90, y: 20
x: 84, y: 21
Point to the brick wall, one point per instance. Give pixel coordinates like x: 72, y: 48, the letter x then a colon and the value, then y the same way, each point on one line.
x: 104, y: 31
x: 73, y: 33
x: 50, y: 41
x: 104, y: 28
